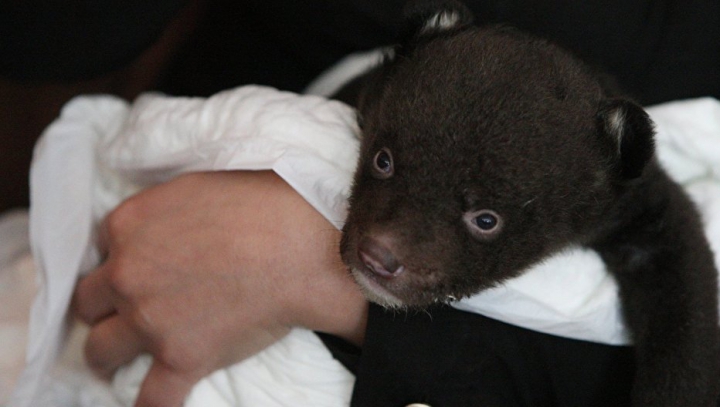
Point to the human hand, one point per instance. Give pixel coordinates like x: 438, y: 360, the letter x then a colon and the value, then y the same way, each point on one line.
x: 207, y: 270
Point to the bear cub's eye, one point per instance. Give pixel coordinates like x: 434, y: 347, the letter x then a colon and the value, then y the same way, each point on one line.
x: 484, y: 223
x: 383, y: 164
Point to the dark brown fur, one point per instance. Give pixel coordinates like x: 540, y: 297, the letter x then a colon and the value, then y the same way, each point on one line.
x: 490, y: 118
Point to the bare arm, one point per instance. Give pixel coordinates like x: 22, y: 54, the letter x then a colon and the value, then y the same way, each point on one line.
x: 207, y: 270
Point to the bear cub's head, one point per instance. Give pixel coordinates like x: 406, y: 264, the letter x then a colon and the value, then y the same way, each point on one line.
x: 484, y: 150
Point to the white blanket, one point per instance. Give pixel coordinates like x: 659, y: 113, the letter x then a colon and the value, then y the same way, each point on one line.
x: 17, y: 288
x: 101, y: 150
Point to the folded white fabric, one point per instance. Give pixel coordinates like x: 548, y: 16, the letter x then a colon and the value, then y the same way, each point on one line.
x: 101, y: 150
x: 571, y: 294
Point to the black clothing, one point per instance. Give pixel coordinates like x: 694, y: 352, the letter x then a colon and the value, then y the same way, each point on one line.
x: 460, y: 359
x: 446, y: 357
x: 61, y: 41
x: 659, y: 50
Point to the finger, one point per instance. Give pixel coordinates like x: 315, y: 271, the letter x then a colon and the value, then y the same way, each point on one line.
x: 103, y: 239
x: 111, y: 344
x: 165, y: 387
x: 94, y: 299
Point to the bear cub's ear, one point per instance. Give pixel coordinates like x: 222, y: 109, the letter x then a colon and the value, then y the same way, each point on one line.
x: 425, y: 19
x: 631, y: 133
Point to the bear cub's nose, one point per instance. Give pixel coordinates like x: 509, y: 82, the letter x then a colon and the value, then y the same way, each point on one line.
x: 378, y: 258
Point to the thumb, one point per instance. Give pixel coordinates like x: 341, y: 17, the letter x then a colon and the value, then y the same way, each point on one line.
x: 165, y: 387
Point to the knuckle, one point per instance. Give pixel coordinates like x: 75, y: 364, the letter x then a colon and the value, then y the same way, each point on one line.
x: 171, y: 354
x: 182, y: 357
x: 121, y: 278
x: 140, y: 318
x: 124, y: 215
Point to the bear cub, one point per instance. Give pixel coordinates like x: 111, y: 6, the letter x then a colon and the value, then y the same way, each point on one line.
x: 485, y: 151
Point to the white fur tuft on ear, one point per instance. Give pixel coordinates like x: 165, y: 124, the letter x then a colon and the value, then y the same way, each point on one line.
x: 632, y: 134
x: 616, y: 125
x: 441, y: 21
x: 426, y: 19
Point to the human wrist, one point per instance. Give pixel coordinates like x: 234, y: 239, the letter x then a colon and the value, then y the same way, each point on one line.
x: 331, y: 302
x: 313, y: 288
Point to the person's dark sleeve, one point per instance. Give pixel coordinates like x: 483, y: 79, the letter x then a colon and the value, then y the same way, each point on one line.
x: 61, y: 41
x: 447, y: 357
